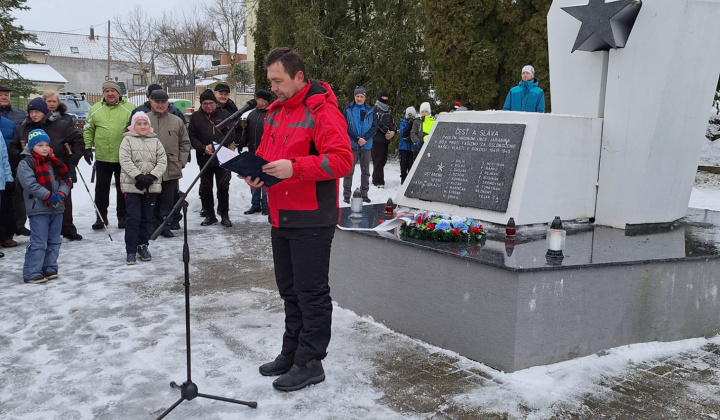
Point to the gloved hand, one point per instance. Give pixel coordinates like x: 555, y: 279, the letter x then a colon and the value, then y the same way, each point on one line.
x: 144, y: 181
x: 88, y: 156
x: 56, y: 199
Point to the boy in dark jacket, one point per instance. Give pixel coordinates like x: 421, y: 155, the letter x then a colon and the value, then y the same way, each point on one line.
x: 45, y: 183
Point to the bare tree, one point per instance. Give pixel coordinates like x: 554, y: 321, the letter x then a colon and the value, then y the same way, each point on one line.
x: 183, y: 40
x: 134, y: 42
x: 229, y: 17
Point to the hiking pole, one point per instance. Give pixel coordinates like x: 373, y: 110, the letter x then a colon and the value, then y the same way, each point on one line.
x: 93, y: 201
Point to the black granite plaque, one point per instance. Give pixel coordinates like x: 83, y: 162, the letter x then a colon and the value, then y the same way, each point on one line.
x: 469, y: 164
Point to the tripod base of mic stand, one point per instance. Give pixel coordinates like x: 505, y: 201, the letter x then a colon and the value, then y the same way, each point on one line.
x: 189, y: 391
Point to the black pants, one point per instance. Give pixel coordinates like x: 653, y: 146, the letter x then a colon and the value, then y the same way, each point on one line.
x: 18, y: 205
x: 406, y: 161
x: 68, y: 226
x: 379, y: 159
x: 222, y: 181
x: 104, y: 173
x: 138, y: 221
x: 302, y: 263
x: 7, y: 213
x: 164, y: 201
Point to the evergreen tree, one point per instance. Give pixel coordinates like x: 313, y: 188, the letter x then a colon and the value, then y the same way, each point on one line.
x: 11, y: 47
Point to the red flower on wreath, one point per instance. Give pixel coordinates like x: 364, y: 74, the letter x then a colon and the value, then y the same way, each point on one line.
x: 430, y: 226
x: 475, y: 230
x: 456, y: 232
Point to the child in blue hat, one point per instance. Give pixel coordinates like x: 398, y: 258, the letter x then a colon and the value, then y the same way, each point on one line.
x: 45, y: 184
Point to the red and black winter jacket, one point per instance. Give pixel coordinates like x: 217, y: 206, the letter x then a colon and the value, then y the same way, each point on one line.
x: 310, y: 130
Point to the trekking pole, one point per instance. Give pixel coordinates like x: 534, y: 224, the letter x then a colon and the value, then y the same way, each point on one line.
x: 93, y: 201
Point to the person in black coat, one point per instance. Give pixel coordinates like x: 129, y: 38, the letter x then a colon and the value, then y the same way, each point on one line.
x: 58, y: 110
x: 202, y: 134
x: 251, y: 137
x: 67, y: 144
x: 222, y: 97
x: 146, y: 108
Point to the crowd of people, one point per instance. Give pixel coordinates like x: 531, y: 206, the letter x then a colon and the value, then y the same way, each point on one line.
x: 110, y: 129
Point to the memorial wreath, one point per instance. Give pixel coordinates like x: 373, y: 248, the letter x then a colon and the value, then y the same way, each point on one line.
x: 441, y: 227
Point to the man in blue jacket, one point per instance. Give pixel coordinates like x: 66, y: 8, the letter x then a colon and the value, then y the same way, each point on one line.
x: 527, y: 96
x: 361, y: 129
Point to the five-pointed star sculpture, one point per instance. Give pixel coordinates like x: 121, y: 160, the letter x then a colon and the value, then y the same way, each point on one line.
x: 596, y: 32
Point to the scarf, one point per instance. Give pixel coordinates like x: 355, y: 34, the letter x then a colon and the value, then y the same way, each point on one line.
x: 42, y: 170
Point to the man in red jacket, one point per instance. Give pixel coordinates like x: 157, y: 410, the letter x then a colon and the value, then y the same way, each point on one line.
x: 305, y: 141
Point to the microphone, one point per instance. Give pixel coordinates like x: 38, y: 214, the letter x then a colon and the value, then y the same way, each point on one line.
x: 252, y: 103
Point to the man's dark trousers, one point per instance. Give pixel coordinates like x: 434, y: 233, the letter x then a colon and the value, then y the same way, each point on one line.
x: 222, y: 181
x: 302, y: 263
x: 379, y: 153
x: 105, y: 171
x: 165, y: 201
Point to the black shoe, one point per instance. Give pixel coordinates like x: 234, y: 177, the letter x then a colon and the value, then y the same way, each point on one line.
x: 143, y: 253
x: 346, y: 200
x: 225, y: 220
x: 265, y: 212
x: 175, y: 225
x: 51, y: 275
x: 73, y: 237
x: 23, y: 231
x: 280, y: 366
x: 252, y: 210
x: 210, y: 220
x: 298, y: 377
x: 366, y: 200
x: 2, y: 254
x: 99, y: 224
x: 121, y: 222
x: 167, y: 233
x: 130, y: 260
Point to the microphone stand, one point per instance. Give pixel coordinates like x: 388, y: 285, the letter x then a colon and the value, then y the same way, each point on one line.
x: 188, y: 389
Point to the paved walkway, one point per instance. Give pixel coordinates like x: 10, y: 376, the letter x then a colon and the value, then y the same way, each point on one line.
x: 420, y: 381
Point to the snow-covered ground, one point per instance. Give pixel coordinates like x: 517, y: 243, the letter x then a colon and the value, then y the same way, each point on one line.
x: 105, y: 339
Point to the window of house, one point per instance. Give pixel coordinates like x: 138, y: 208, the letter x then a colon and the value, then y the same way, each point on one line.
x: 139, y: 80
x: 74, y: 50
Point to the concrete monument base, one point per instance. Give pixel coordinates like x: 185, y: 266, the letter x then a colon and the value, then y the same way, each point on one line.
x: 501, y: 303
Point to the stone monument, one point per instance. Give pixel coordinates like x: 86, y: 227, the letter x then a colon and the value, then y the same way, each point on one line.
x: 631, y: 82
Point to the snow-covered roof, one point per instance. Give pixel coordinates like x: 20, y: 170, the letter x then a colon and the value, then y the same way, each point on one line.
x: 39, y: 73
x: 215, y: 46
x: 73, y: 45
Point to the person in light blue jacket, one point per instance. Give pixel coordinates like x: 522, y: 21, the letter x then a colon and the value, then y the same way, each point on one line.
x: 361, y: 129
x: 527, y: 96
x: 6, y: 178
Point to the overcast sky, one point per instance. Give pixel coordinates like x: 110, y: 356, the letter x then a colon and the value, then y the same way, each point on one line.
x: 76, y: 17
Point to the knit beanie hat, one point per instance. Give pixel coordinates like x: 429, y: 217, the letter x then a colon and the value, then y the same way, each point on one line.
x: 152, y: 87
x: 111, y: 85
x: 38, y: 104
x: 425, y: 106
x: 37, y: 136
x: 530, y: 69
x: 140, y: 115
x: 410, y: 112
x: 263, y: 94
x: 360, y: 91
x: 207, y: 95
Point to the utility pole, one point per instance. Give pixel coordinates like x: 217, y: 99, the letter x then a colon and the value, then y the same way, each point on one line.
x: 108, y: 72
